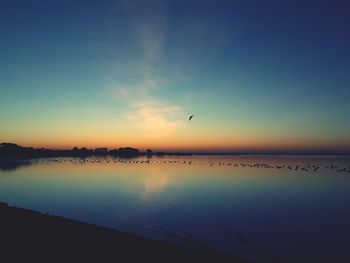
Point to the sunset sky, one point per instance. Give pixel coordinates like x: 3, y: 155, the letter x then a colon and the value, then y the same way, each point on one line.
x: 257, y: 75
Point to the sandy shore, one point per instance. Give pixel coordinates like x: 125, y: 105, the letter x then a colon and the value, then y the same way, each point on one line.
x: 29, y: 236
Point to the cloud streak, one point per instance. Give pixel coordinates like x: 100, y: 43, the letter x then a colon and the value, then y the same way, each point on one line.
x: 155, y: 120
x: 163, y: 53
x: 149, y: 114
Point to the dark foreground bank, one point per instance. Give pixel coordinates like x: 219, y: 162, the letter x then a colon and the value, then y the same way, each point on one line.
x: 29, y: 236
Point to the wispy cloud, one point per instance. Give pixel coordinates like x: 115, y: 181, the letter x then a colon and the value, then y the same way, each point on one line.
x: 162, y: 54
x: 154, y: 119
x: 140, y: 90
x: 148, y: 113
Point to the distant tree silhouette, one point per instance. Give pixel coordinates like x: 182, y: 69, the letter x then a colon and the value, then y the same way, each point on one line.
x: 12, y: 150
x: 85, y: 152
x: 128, y: 151
x: 101, y: 151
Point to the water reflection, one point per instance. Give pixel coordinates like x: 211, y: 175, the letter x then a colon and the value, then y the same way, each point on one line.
x: 304, y: 164
x: 11, y: 165
x: 156, y: 181
x: 295, y: 208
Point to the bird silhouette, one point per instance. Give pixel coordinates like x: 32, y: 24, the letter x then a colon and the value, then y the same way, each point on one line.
x: 190, y: 118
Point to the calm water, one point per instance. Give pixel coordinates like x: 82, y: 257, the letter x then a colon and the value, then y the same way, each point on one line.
x: 287, y: 206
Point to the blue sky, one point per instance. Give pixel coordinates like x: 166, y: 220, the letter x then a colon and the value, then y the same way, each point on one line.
x: 257, y: 74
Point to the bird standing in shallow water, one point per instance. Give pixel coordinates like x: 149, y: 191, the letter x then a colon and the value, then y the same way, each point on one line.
x: 190, y: 118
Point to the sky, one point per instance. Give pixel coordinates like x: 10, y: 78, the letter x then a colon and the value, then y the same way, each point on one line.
x: 257, y: 75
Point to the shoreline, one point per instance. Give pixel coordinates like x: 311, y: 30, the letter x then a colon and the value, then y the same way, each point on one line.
x: 12, y: 150
x: 30, y: 235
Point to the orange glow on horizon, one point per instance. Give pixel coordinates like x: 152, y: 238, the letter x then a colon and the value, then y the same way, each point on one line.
x: 186, y: 145
x: 188, y: 139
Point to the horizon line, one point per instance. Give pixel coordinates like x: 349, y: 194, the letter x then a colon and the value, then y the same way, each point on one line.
x: 266, y: 152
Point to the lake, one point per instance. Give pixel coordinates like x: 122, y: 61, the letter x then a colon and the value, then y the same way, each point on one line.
x: 265, y: 208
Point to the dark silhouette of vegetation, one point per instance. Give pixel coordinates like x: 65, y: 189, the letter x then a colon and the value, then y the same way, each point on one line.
x: 149, y: 152
x: 101, y: 151
x: 127, y: 151
x: 13, y: 164
x: 12, y: 150
x: 29, y: 236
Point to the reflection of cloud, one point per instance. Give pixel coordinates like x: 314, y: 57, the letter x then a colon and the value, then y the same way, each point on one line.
x: 155, y: 181
x: 155, y: 120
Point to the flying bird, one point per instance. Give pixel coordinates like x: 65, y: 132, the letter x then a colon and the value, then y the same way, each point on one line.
x: 190, y: 118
